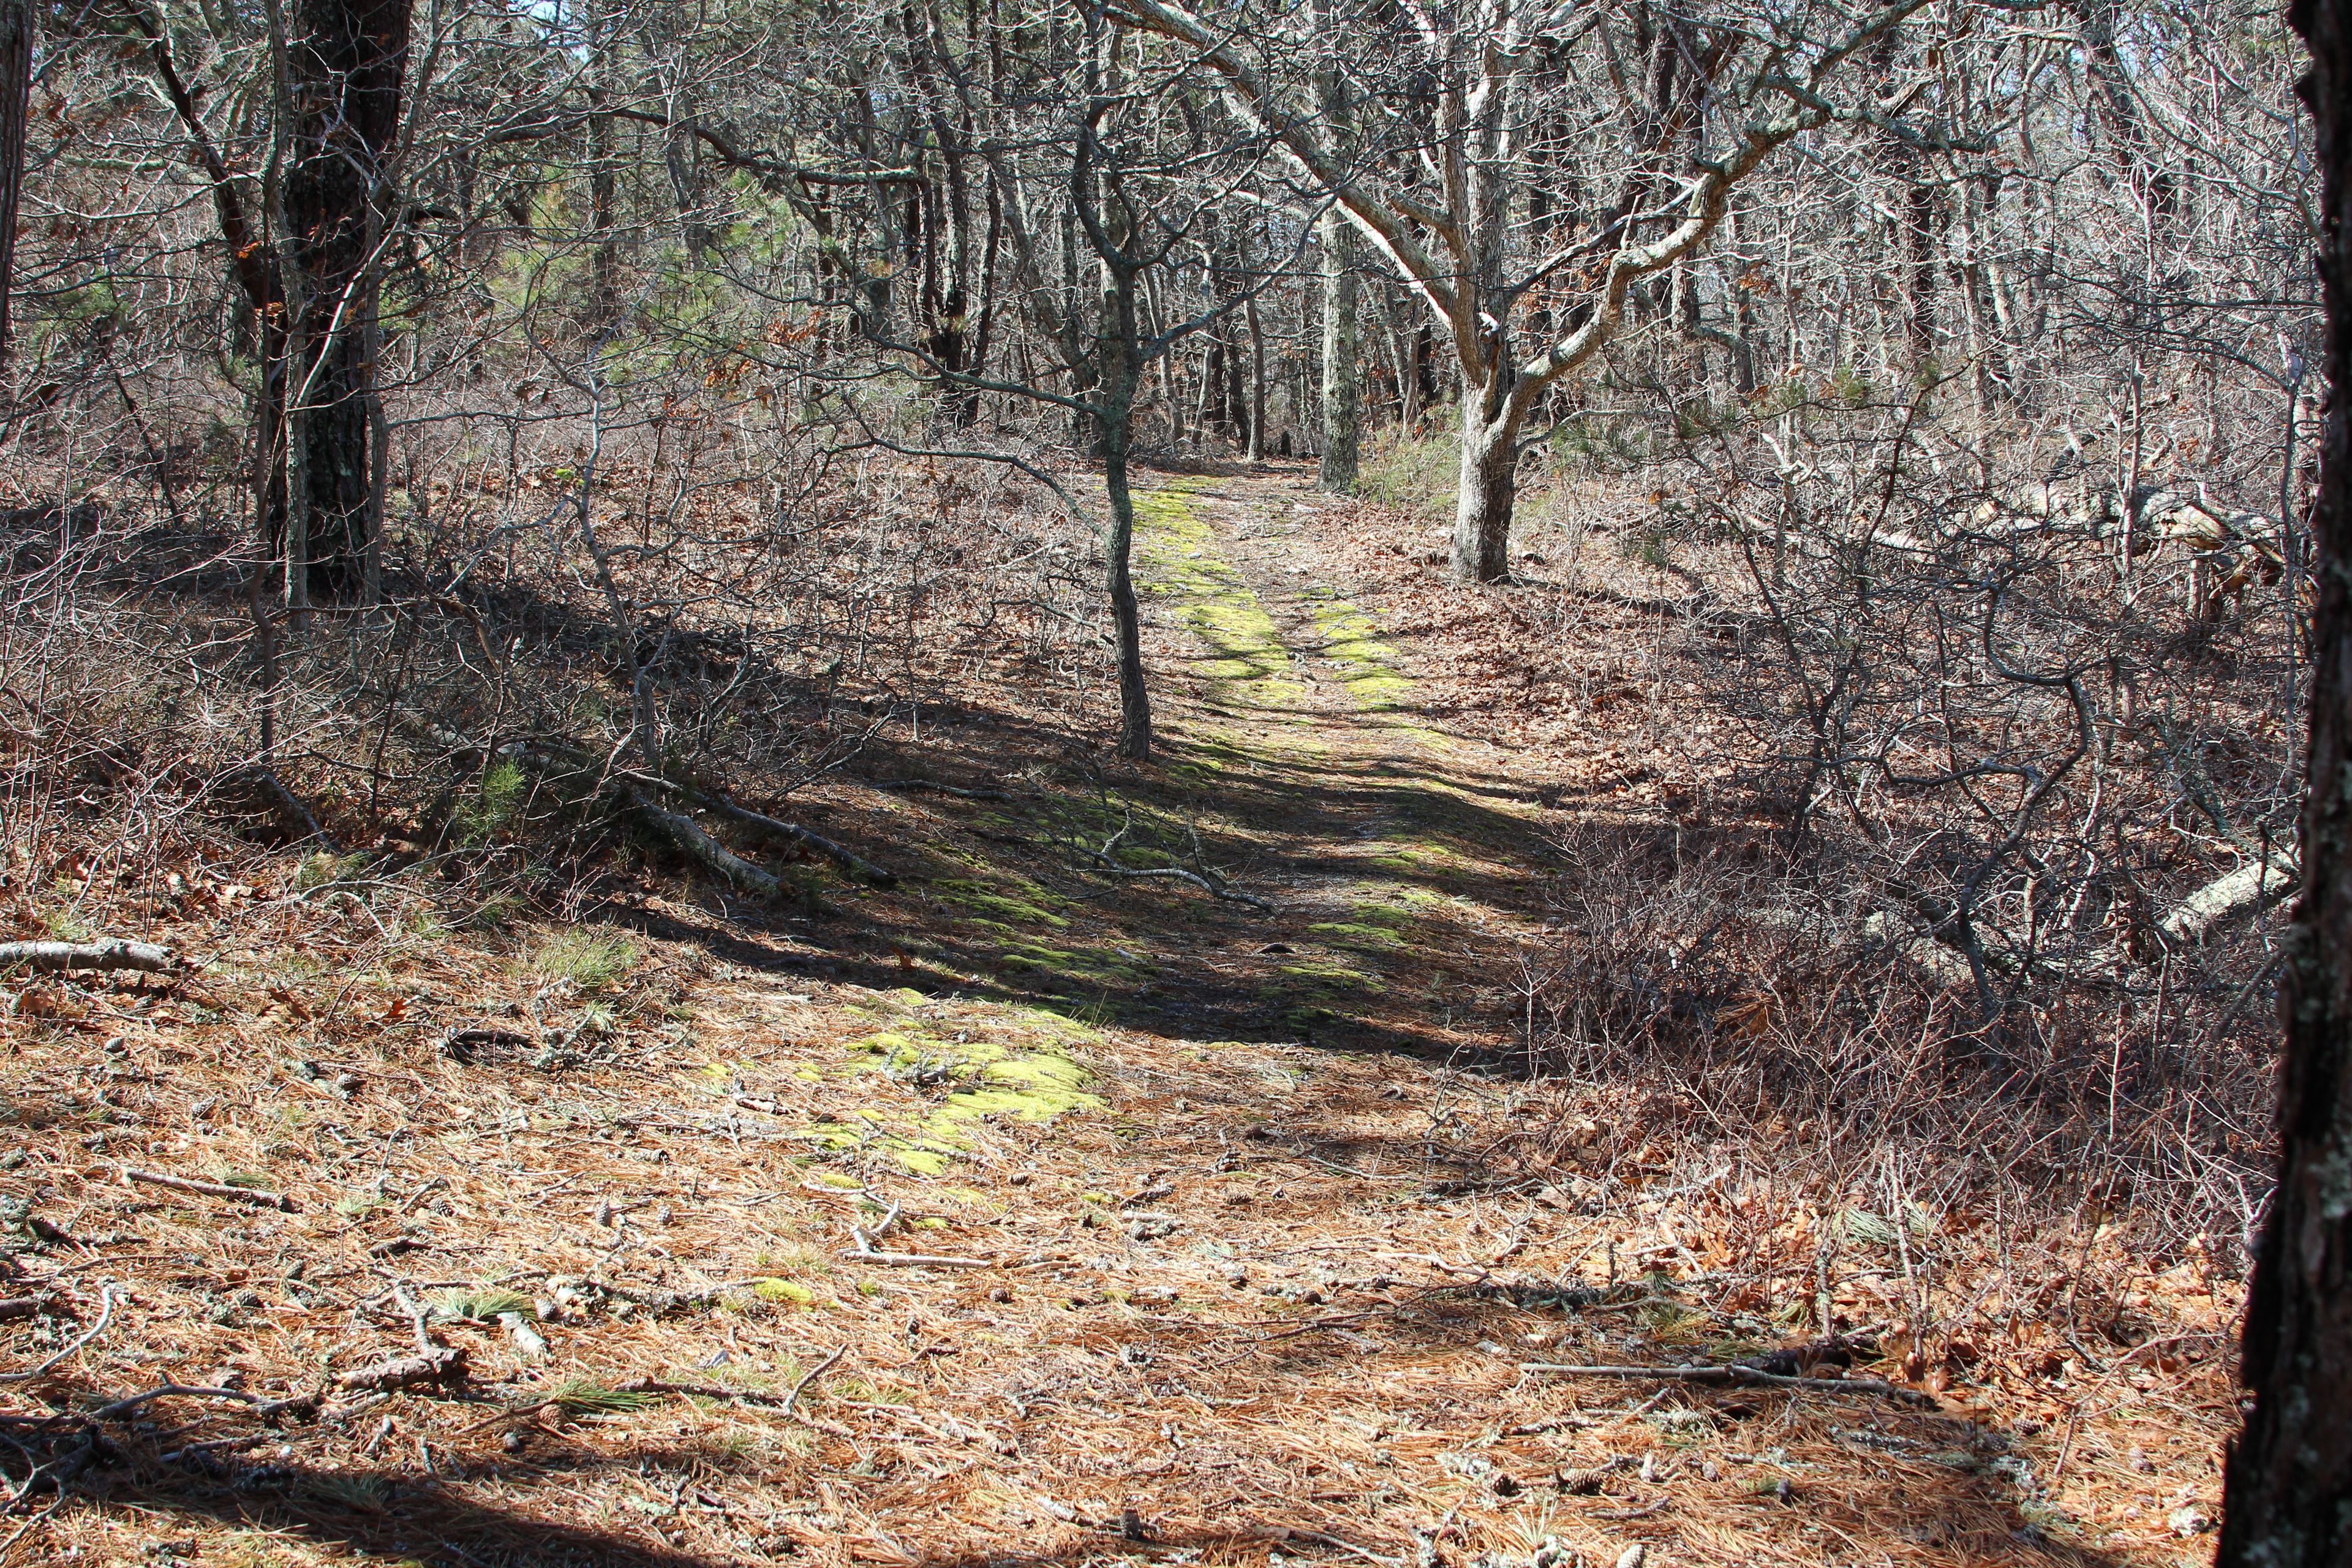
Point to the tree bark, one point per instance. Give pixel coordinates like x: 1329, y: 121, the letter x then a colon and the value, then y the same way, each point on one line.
x: 347, y: 60
x: 1257, y: 380
x: 2287, y: 1500
x: 1127, y: 624
x: 1342, y: 414
x: 1489, y: 491
x: 17, y: 28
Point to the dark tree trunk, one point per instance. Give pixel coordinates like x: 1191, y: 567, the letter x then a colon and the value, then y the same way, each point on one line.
x: 1919, y: 236
x: 347, y: 59
x: 2288, y: 1492
x: 16, y: 25
x: 1257, y: 380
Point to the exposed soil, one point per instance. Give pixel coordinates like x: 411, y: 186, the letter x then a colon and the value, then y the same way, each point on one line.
x: 1206, y: 1232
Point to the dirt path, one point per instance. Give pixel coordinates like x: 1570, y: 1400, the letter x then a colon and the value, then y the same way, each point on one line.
x: 1250, y: 1301
x: 1406, y: 863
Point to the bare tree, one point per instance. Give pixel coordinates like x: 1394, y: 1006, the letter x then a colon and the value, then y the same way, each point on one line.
x: 1440, y: 185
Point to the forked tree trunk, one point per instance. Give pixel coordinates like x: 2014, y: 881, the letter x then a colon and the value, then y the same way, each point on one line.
x: 2287, y: 1498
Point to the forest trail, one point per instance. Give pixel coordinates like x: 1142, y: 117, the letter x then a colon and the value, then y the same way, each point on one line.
x: 1405, y: 863
x: 1015, y: 1214
x: 1148, y: 1291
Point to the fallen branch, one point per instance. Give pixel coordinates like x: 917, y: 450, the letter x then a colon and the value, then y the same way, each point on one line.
x: 17, y: 1307
x: 300, y: 1405
x: 1319, y: 1538
x: 442, y: 1363
x: 254, y: 1196
x: 867, y: 1252
x: 286, y: 801
x: 1212, y: 885
x: 105, y: 1316
x: 681, y: 830
x: 1216, y: 889
x: 858, y: 869
x: 115, y: 953
x: 684, y: 1390
x: 1738, y: 1374
x: 786, y: 1401
x: 918, y: 1260
x: 937, y: 788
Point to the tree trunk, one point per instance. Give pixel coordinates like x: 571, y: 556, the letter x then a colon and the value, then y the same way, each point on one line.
x: 1342, y: 412
x: 604, y: 197
x: 1258, y: 381
x: 2288, y: 1490
x: 16, y: 25
x: 1127, y: 624
x: 347, y: 62
x: 1919, y: 233
x: 1489, y: 488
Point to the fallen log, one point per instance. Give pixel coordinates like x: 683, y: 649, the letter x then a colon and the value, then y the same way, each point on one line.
x: 114, y: 953
x: 681, y: 830
x: 2242, y: 892
x: 554, y: 758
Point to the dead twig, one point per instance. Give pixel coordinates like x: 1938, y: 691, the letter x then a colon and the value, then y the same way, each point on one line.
x: 791, y: 1398
x: 254, y: 1196
x: 105, y: 1316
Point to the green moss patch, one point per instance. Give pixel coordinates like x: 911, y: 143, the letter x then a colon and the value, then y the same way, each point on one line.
x: 1366, y: 665
x: 1353, y: 933
x: 1332, y: 977
x: 1175, y: 547
x: 996, y: 902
